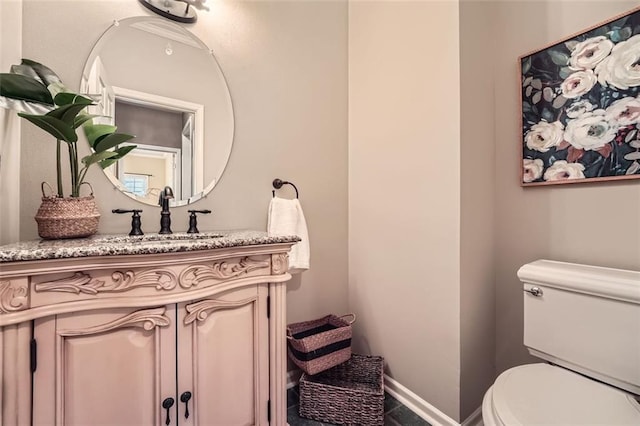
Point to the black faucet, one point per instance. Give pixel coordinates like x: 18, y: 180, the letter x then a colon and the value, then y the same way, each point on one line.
x: 165, y: 215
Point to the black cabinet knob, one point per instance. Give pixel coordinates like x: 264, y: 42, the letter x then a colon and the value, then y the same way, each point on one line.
x: 167, y: 404
x: 185, y: 397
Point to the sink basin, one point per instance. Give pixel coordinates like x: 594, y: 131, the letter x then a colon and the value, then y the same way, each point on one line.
x: 179, y: 236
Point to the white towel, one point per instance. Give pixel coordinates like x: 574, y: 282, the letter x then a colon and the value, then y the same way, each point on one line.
x: 286, y: 218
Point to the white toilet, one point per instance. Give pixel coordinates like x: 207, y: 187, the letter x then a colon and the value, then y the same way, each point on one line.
x: 585, y: 322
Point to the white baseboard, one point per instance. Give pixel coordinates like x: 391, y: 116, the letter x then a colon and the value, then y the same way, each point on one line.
x: 475, y: 419
x: 425, y: 410
x: 412, y: 401
x: 416, y: 404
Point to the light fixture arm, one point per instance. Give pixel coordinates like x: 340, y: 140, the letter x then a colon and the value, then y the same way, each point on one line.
x: 172, y: 9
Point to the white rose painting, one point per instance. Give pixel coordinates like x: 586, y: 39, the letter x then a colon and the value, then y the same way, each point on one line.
x: 581, y: 106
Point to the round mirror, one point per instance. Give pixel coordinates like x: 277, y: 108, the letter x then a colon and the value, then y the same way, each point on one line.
x: 155, y: 80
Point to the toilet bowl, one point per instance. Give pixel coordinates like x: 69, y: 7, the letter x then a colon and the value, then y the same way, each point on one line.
x: 585, y: 322
x: 544, y: 394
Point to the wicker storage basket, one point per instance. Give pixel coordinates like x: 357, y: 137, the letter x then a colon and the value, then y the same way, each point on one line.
x: 351, y: 393
x: 72, y: 217
x: 318, y: 345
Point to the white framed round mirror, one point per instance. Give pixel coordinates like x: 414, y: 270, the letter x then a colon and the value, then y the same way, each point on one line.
x: 154, y: 79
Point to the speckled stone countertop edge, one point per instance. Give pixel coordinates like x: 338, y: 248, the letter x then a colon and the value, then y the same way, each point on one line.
x: 115, y: 245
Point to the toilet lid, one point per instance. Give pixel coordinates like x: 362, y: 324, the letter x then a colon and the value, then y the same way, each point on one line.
x: 542, y: 394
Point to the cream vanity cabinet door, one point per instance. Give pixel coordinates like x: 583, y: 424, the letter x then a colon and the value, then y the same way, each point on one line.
x: 105, y: 367
x: 119, y: 366
x: 223, y: 358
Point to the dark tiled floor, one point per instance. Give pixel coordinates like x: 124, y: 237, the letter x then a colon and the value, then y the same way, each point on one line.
x: 395, y: 414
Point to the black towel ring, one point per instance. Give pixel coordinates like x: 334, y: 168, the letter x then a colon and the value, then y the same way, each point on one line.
x: 277, y: 184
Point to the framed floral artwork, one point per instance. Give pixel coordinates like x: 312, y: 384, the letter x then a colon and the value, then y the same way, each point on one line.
x: 581, y: 106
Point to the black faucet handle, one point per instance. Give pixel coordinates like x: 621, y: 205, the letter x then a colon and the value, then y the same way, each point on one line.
x: 136, y: 221
x: 193, y: 220
x: 121, y: 211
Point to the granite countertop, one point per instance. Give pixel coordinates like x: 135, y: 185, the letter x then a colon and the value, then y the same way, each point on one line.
x: 113, y: 245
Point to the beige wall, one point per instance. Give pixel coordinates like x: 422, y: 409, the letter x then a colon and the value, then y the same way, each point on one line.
x: 477, y: 195
x: 404, y: 192
x: 585, y: 223
x: 502, y: 225
x: 286, y: 67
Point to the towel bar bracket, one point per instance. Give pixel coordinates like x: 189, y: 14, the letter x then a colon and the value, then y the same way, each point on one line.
x: 278, y: 183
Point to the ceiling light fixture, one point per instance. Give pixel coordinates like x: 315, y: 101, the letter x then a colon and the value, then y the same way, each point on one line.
x: 176, y: 10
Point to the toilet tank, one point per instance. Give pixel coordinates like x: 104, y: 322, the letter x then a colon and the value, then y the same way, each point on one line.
x: 585, y: 318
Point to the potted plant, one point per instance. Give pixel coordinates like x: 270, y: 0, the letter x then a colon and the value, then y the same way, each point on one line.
x: 41, y: 98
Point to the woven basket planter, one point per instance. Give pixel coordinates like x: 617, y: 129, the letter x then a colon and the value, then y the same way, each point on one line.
x: 69, y: 217
x: 351, y: 393
x: 318, y: 345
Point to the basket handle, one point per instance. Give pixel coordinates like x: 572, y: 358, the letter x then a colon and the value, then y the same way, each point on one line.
x: 50, y: 190
x: 55, y: 195
x: 87, y: 183
x: 353, y: 319
x: 349, y: 315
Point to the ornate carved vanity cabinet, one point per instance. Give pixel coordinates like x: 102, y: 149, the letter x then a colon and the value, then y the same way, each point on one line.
x: 119, y: 331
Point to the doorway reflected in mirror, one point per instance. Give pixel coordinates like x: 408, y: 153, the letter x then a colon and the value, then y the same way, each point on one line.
x: 168, y: 151
x: 156, y: 80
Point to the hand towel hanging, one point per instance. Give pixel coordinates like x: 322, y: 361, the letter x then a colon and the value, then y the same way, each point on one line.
x: 286, y: 218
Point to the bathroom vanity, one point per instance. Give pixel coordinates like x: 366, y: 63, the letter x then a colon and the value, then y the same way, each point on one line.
x: 150, y: 330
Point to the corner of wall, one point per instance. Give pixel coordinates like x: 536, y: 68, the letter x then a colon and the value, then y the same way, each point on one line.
x: 10, y: 53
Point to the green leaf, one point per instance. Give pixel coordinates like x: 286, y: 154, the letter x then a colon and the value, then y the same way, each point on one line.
x: 16, y: 86
x: 559, y: 102
x: 559, y: 58
x: 111, y: 141
x: 620, y: 22
x: 109, y: 161
x: 621, y: 35
x: 526, y: 65
x: 52, y: 125
x: 26, y: 71
x: 97, y: 157
x: 65, y: 98
x: 528, y: 91
x: 55, y: 88
x: 600, y: 31
x: 547, y: 115
x: 536, y: 97
x: 625, y: 33
x: 83, y: 118
x: 95, y: 132
x: 565, y: 72
x: 122, y: 151
x: 571, y: 44
x: 67, y: 113
x: 45, y: 73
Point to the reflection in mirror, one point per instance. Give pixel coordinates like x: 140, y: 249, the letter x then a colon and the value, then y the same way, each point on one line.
x: 156, y: 80
x: 167, y: 138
